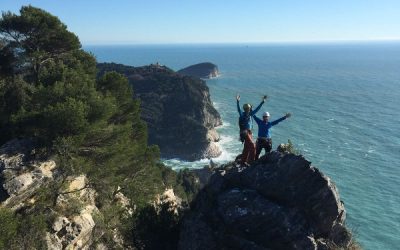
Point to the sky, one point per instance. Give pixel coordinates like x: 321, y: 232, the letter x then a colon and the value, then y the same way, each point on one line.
x: 222, y: 21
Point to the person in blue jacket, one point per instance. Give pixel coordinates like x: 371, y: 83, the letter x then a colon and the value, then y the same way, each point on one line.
x: 246, y: 136
x: 264, y: 136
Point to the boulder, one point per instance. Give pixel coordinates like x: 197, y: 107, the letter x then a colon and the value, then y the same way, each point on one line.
x: 280, y: 202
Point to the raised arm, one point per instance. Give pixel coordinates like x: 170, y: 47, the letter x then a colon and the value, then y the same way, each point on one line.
x: 253, y: 112
x: 258, y: 120
x: 237, y: 104
x: 280, y: 119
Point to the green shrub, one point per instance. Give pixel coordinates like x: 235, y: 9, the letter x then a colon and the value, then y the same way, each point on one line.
x: 288, y: 148
x: 8, y: 228
x: 22, y: 231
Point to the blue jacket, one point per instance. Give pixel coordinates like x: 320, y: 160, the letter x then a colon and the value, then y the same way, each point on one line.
x: 247, y: 118
x: 263, y: 128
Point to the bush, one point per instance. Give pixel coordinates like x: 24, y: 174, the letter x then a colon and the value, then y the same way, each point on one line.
x: 8, y: 228
x: 288, y: 148
x: 21, y: 231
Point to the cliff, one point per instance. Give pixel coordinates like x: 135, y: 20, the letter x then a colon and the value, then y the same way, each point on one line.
x: 60, y: 211
x: 280, y: 202
x: 204, y: 70
x: 178, y: 110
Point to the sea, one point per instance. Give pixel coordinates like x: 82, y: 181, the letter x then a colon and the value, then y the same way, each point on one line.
x: 345, y: 105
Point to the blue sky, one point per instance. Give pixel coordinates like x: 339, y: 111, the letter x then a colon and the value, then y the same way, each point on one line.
x: 222, y: 21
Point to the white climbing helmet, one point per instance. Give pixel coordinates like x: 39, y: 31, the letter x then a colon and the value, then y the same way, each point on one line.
x: 266, y: 114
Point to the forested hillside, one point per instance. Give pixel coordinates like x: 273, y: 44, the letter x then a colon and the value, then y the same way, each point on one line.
x: 49, y: 96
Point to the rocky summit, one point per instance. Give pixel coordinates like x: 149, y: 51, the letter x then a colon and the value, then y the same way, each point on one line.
x: 280, y: 202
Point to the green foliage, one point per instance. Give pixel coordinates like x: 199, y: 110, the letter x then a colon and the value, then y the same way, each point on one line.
x: 21, y: 232
x: 288, y: 148
x: 32, y: 38
x: 8, y: 229
x: 49, y: 91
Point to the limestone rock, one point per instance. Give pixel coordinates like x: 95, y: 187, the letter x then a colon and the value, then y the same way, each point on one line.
x: 280, y: 202
x: 124, y: 202
x: 77, y: 192
x: 20, y: 174
x: 73, y: 228
x: 73, y: 233
x: 175, y: 202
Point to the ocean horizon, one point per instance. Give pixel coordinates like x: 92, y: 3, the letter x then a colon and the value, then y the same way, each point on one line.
x: 345, y: 105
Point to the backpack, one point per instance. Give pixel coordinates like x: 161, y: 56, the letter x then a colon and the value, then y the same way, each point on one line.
x: 243, y: 121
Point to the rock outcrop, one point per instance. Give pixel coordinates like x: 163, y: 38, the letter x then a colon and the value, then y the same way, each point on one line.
x: 178, y: 110
x: 74, y: 231
x: 23, y: 176
x: 280, y: 202
x: 20, y: 175
x: 73, y: 218
x: 204, y: 70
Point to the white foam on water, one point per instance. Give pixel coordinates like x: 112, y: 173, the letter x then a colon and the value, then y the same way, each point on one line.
x: 224, y: 125
x: 226, y: 155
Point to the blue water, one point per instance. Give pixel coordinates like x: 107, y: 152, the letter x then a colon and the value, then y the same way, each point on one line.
x: 345, y: 101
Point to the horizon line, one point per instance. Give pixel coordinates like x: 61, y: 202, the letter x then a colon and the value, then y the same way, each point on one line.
x: 338, y: 41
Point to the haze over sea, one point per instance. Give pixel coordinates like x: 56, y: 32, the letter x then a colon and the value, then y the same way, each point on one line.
x: 345, y: 101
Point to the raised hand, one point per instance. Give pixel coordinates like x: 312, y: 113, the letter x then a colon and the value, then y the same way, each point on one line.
x: 287, y: 115
x: 238, y: 97
x: 264, y: 98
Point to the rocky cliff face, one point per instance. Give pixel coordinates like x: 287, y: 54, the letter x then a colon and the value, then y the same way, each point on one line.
x: 20, y: 175
x: 178, y: 110
x: 204, y: 70
x: 22, y: 178
x: 281, y: 202
x: 74, y: 216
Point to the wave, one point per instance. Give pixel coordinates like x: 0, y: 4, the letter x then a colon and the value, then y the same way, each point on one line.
x: 224, y: 125
x: 216, y: 105
x: 226, y: 155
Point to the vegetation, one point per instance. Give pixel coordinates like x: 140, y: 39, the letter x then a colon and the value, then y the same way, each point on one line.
x: 288, y: 148
x: 49, y: 91
x: 21, y: 232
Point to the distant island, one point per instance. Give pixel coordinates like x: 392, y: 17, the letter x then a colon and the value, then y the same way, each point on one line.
x: 204, y: 70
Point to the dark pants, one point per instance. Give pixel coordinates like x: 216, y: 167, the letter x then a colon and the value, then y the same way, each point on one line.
x: 249, y: 149
x: 263, y: 143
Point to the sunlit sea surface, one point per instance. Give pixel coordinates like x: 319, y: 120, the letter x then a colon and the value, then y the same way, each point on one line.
x: 345, y: 101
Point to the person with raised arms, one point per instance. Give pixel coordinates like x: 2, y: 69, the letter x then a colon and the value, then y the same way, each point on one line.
x: 245, y: 125
x: 264, y: 140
